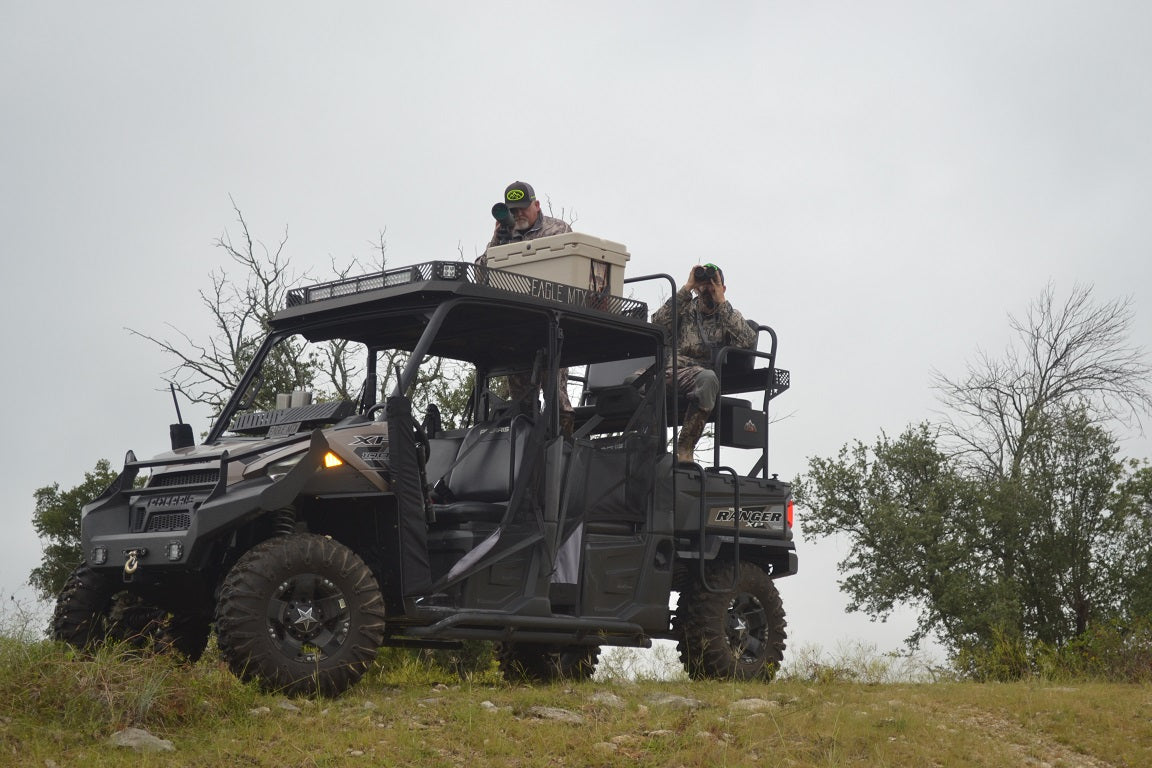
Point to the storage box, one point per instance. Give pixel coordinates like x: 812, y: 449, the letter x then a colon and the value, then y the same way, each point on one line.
x: 741, y: 425
x: 572, y: 258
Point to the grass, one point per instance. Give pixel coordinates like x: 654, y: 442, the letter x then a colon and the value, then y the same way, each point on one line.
x: 59, y: 708
x: 851, y: 707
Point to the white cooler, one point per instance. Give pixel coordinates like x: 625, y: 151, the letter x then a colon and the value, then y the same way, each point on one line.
x: 572, y: 258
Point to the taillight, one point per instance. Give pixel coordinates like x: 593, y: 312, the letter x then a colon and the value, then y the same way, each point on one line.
x: 790, y: 504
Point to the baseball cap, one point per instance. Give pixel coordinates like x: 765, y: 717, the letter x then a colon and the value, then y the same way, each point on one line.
x: 519, y: 194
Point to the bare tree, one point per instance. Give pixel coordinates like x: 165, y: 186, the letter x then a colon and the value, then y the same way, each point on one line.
x: 240, y: 302
x: 1074, y: 353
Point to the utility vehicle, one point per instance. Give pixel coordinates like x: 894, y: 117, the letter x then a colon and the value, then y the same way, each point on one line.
x: 311, y: 534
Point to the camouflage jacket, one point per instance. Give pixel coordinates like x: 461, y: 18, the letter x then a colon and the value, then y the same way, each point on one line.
x: 544, y: 227
x: 701, y: 335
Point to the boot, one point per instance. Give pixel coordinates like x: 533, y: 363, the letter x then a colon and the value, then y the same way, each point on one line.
x: 694, y: 422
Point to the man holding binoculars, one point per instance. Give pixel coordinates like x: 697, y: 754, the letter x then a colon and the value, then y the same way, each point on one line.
x: 705, y: 323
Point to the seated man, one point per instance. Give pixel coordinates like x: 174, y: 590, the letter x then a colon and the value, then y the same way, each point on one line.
x: 705, y: 323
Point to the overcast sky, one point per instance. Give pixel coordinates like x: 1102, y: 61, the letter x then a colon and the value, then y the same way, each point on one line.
x: 883, y: 183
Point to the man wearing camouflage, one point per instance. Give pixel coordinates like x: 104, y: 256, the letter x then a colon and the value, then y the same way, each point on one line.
x: 705, y: 323
x: 528, y: 223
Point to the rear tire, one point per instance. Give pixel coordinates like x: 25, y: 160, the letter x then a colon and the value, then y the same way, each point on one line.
x: 300, y: 614
x: 735, y: 634
x: 537, y: 663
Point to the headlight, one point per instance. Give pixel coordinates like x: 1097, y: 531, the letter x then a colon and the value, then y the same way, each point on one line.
x: 277, y: 469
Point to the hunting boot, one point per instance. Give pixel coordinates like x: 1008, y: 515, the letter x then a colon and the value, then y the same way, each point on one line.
x: 694, y: 422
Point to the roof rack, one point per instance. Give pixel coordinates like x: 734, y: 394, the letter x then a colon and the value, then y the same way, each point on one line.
x: 462, y: 272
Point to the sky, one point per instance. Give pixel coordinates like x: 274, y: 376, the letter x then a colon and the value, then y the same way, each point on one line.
x: 883, y: 184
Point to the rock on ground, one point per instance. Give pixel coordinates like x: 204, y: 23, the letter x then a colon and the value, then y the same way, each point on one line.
x: 141, y: 741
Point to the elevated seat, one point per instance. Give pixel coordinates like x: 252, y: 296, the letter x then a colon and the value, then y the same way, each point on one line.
x: 483, y: 473
x: 605, y: 383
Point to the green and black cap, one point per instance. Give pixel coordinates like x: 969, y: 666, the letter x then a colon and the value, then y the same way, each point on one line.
x: 519, y: 194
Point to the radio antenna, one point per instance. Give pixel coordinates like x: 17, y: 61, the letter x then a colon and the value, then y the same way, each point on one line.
x: 175, y: 402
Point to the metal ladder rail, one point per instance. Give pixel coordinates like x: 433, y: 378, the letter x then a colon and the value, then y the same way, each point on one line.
x: 704, y: 525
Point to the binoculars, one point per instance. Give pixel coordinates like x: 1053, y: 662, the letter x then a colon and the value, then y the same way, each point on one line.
x: 705, y: 274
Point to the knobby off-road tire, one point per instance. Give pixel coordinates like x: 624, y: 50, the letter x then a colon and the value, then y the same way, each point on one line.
x: 92, y: 609
x: 537, y: 663
x: 736, y: 634
x: 300, y: 614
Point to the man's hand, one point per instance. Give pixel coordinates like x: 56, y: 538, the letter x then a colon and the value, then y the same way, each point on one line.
x: 691, y: 284
x: 718, y: 291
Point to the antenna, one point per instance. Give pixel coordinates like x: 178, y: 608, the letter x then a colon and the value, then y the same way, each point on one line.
x: 179, y: 433
x: 175, y: 402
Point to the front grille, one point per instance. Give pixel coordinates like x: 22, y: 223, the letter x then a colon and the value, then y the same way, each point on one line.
x: 169, y: 521
x: 187, y: 477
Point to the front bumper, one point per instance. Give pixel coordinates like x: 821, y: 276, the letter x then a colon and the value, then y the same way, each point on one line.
x: 174, y: 526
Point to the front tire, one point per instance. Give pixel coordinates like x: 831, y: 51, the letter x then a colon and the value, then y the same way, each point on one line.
x: 92, y: 610
x: 81, y: 615
x: 734, y: 634
x: 300, y: 614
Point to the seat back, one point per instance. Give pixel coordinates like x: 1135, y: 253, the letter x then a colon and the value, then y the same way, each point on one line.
x: 488, y: 460
x: 442, y: 451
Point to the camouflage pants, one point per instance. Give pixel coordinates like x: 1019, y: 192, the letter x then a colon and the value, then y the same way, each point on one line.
x: 695, y: 382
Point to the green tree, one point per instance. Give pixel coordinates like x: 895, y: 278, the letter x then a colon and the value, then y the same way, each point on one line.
x: 1013, y: 519
x: 985, y: 560
x: 57, y: 522
x: 1075, y: 519
x: 916, y: 538
x: 1132, y: 497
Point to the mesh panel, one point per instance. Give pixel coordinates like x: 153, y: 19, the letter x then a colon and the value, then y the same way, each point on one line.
x: 612, y: 478
x: 189, y: 477
x: 169, y: 521
x: 782, y: 382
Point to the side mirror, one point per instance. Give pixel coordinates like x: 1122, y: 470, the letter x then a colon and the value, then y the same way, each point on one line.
x: 181, y: 436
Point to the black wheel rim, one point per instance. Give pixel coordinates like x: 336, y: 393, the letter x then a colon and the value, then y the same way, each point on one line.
x: 308, y: 617
x: 747, y: 628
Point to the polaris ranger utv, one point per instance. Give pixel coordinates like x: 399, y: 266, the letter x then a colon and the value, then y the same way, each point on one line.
x: 312, y: 534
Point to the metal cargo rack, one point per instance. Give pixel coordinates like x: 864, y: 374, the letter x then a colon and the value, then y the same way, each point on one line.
x: 461, y: 272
